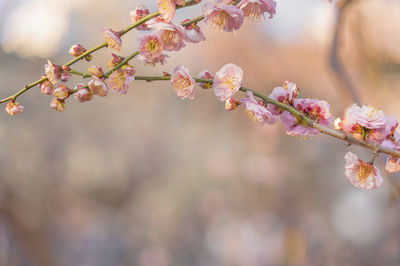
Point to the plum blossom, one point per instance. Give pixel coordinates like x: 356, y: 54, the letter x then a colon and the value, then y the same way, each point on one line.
x: 365, y: 122
x: 46, y: 87
x: 285, y: 94
x: 223, y: 17
x: 13, y: 108
x: 231, y: 103
x: 115, y: 60
x: 255, y: 9
x: 97, y: 86
x: 317, y: 110
x: 151, y: 50
x: 361, y: 174
x: 119, y: 80
x: 205, y: 74
x: 95, y: 71
x: 227, y: 81
x: 256, y: 111
x: 83, y: 94
x: 137, y: 14
x: 193, y: 32
x: 65, y: 75
x: 76, y: 50
x: 392, y: 165
x: 57, y: 104
x: 62, y: 92
x: 113, y: 39
x: 183, y: 83
x: 170, y: 35
x: 167, y: 8
x: 53, y: 72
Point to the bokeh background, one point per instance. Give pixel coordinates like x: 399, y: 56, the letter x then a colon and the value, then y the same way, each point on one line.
x: 150, y: 180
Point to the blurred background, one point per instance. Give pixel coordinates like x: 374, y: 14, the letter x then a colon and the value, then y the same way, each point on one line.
x: 150, y: 180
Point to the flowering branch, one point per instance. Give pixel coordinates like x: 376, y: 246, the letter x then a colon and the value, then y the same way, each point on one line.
x: 304, y: 119
x: 100, y: 46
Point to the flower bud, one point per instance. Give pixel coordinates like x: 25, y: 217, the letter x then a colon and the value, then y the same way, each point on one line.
x: 53, y: 72
x: 62, y: 92
x: 96, y: 71
x: 13, y: 108
x: 338, y: 123
x: 65, y: 75
x: 115, y: 60
x: 205, y: 75
x: 46, y: 87
x: 58, y: 105
x: 137, y: 14
x: 83, y: 93
x: 113, y: 39
x: 76, y: 50
x: 231, y: 103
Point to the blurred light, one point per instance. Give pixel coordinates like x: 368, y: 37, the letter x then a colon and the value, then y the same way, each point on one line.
x: 357, y: 216
x: 36, y: 28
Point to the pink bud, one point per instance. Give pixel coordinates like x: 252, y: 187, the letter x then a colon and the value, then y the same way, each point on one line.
x: 13, y: 108
x: 113, y: 39
x: 76, y: 50
x: 96, y: 71
x: 46, y: 87
x: 83, y: 93
x: 53, y: 72
x: 115, y: 60
x: 137, y: 14
x: 205, y: 74
x: 98, y: 86
x: 62, y: 92
x: 65, y: 75
x: 58, y: 105
x: 231, y: 103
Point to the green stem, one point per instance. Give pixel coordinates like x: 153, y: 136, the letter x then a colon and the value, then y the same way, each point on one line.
x: 306, y: 121
x: 94, y: 49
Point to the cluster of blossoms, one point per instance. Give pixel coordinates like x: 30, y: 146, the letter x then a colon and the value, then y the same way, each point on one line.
x: 371, y: 125
x: 364, y: 123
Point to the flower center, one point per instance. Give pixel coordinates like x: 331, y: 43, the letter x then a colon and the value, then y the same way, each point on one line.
x: 220, y: 20
x: 228, y: 82
x: 371, y: 111
x: 364, y: 171
x: 253, y: 117
x: 182, y: 84
x: 253, y: 12
x: 153, y: 47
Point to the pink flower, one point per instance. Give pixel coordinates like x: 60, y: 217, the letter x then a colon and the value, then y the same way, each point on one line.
x: 113, y: 39
x: 65, y: 75
x: 255, y: 9
x: 115, y: 60
x: 227, y: 81
x: 318, y: 111
x: 294, y: 127
x: 53, y: 72
x: 97, y: 86
x: 205, y: 74
x: 361, y: 174
x: 285, y: 94
x: 193, y: 32
x: 314, y: 109
x: 231, y: 103
x: 259, y: 113
x: 170, y: 35
x: 62, y: 92
x: 386, y: 132
x: 83, y: 94
x: 167, y: 8
x: 363, y: 121
x: 151, y: 50
x: 392, y: 165
x: 119, y: 80
x: 76, y: 50
x: 13, y: 108
x: 95, y: 71
x: 183, y: 83
x: 46, y: 87
x: 57, y: 104
x: 223, y: 17
x: 139, y: 13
